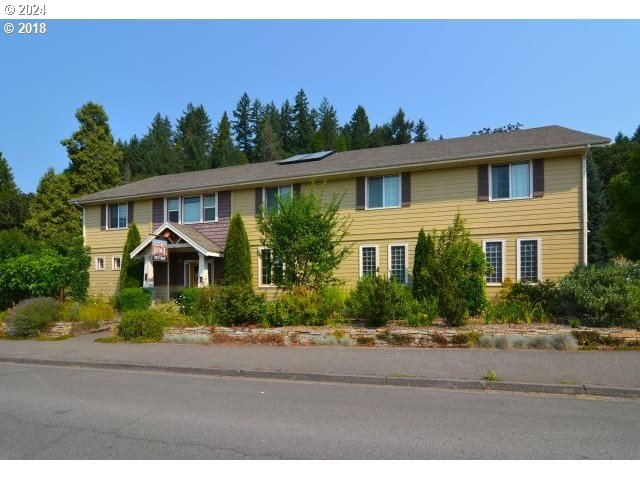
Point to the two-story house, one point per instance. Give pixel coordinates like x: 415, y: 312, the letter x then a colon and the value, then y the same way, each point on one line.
x: 523, y: 196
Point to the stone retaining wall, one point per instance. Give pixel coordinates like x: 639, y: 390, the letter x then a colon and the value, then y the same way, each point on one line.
x: 393, y: 335
x: 60, y: 329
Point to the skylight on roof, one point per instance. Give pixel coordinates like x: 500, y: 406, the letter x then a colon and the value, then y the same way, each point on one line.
x: 306, y: 157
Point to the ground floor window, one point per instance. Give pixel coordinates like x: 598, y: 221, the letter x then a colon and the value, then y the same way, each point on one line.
x: 368, y: 260
x: 116, y: 263
x: 529, y: 255
x: 398, y: 262
x: 494, y: 252
x: 99, y: 263
x: 271, y: 269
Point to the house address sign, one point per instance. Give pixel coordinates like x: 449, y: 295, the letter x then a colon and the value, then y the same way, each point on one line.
x: 159, y: 248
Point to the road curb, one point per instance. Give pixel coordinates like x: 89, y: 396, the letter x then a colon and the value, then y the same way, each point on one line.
x: 601, y: 391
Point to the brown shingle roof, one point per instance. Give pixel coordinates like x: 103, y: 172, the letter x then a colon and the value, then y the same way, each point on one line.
x: 463, y: 148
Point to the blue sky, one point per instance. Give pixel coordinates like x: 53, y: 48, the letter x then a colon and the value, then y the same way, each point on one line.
x: 459, y: 75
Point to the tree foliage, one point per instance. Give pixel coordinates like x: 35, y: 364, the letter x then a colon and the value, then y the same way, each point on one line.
x: 94, y: 157
x: 237, y: 255
x: 510, y: 127
x: 421, y: 132
x: 400, y: 128
x: 131, y: 269
x: 358, y: 130
x: 306, y: 234
x: 194, y: 138
x: 14, y: 205
x: 423, y: 285
x: 621, y: 228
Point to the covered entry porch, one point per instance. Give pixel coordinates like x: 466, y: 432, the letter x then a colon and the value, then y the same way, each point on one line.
x: 178, y: 256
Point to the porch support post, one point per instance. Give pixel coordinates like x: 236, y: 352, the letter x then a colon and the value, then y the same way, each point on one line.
x: 203, y: 275
x: 148, y: 272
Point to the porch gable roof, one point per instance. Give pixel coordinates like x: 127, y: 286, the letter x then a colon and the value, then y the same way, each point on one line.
x: 188, y: 234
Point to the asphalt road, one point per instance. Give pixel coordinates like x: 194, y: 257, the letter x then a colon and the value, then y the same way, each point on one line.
x: 73, y: 413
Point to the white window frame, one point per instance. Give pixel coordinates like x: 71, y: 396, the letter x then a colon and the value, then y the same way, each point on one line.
x: 166, y: 208
x: 406, y: 260
x: 360, y: 257
x: 117, y: 205
x: 264, y: 192
x: 504, y: 258
x: 524, y: 239
x: 366, y: 192
x: 181, y: 212
x: 98, y: 263
x: 260, y: 284
x: 491, y: 199
x: 113, y: 262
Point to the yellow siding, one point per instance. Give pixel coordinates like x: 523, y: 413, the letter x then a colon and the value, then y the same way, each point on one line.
x: 109, y: 244
x: 436, y: 196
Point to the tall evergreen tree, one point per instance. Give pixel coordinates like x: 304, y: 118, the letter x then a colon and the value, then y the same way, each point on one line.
x: 400, y: 128
x: 423, y: 285
x: 636, y: 135
x: 286, y: 128
x: 14, y: 204
x: 597, y: 249
x: 381, y: 136
x: 160, y: 152
x: 303, y: 124
x: 194, y: 138
x: 237, y: 255
x: 225, y: 152
x: 358, y: 130
x: 134, y: 159
x: 270, y: 146
x: 242, y: 125
x: 255, y: 124
x: 50, y: 214
x: 131, y: 269
x: 326, y: 138
x: 421, y: 131
x: 94, y: 157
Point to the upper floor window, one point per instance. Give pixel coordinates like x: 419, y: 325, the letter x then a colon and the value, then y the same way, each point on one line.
x: 383, y: 192
x: 511, y: 180
x: 191, y: 208
x: 173, y: 209
x: 210, y: 208
x: 118, y: 216
x: 271, y: 195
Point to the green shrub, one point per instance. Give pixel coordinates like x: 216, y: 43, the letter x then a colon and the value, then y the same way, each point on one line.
x: 542, y: 294
x: 237, y: 255
x: 32, y: 317
x: 602, y: 296
x: 188, y: 300
x: 422, y: 313
x: 466, y: 339
x: 133, y: 299
x: 378, y: 300
x: 131, y: 269
x: 239, y: 305
x: 458, y: 272
x: 514, y: 311
x: 587, y: 338
x: 300, y: 306
x: 88, y: 314
x: 143, y: 325
x: 332, y: 303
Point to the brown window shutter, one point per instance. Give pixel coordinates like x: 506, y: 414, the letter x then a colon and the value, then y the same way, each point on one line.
x: 360, y: 200
x: 483, y: 182
x: 406, y: 189
x: 157, y: 210
x: 258, y: 199
x: 129, y: 213
x: 297, y: 188
x: 538, y: 177
x: 103, y: 217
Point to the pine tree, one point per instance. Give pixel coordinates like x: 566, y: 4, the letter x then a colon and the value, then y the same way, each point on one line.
x: 160, y: 153
x: 269, y: 148
x: 237, y: 255
x: 224, y: 152
x: 423, y: 286
x: 286, y: 128
x: 255, y: 125
x: 358, y: 130
x: 50, y: 214
x: 14, y: 205
x: 421, y: 132
x: 94, y: 157
x: 194, y: 138
x: 400, y: 128
x: 303, y: 124
x: 381, y: 136
x: 326, y: 138
x: 636, y: 135
x: 131, y: 269
x: 242, y: 124
x: 134, y: 162
x: 597, y: 250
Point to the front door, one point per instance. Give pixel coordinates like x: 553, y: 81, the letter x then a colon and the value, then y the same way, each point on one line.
x: 191, y: 274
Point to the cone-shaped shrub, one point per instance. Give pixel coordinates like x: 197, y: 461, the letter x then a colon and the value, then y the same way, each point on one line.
x: 423, y: 285
x: 131, y: 270
x: 237, y: 255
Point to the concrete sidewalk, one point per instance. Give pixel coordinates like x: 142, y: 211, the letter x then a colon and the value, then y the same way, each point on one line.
x: 607, y: 369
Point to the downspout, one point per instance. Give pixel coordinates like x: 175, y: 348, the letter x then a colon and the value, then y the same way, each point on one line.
x: 585, y: 231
